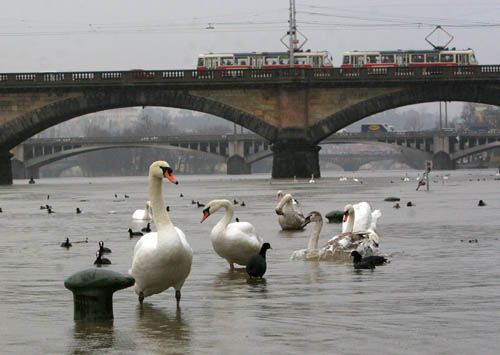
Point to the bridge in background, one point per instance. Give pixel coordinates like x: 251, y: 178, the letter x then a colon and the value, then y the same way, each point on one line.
x: 293, y: 109
x: 241, y: 150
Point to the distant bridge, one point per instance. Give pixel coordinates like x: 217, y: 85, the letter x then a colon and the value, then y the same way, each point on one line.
x: 293, y: 109
x: 241, y: 150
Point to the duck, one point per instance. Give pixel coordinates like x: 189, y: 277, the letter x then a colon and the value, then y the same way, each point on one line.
x: 132, y: 234
x: 147, y: 229
x: 143, y: 215
x: 103, y: 249
x: 235, y: 202
x: 78, y: 210
x: 366, y: 218
x: 410, y: 204
x: 236, y: 242
x: 161, y: 259
x: 242, y: 204
x: 256, y: 266
x: 100, y: 260
x: 290, y: 217
x: 66, y: 244
x: 198, y: 204
x: 481, y: 203
x: 396, y: 205
x: 376, y: 260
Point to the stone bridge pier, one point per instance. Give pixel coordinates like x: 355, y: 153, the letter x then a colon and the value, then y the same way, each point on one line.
x: 295, y: 157
x: 5, y: 167
x: 236, y: 164
x: 441, y: 160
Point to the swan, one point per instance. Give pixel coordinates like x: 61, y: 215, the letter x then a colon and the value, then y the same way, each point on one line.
x: 366, y: 218
x: 280, y: 194
x: 236, y: 242
x: 312, y: 179
x: 337, y: 249
x: 144, y: 214
x: 161, y: 259
x: 290, y: 217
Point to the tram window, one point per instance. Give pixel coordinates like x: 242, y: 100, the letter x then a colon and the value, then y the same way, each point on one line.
x: 472, y: 59
x: 358, y: 59
x: 228, y: 61
x: 346, y: 60
x: 300, y: 60
x: 417, y: 58
x: 271, y: 60
x: 241, y: 61
x: 284, y: 61
x: 373, y: 59
x: 200, y: 62
x: 432, y: 57
x: 448, y: 58
x: 388, y: 58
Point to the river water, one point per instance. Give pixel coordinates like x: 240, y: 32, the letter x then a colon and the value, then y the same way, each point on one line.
x: 439, y: 295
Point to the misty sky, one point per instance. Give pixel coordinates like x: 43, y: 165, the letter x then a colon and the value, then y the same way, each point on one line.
x: 70, y: 35
x: 63, y: 35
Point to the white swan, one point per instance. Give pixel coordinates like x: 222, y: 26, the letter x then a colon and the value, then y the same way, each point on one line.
x: 290, y: 217
x: 366, y: 218
x: 338, y: 248
x: 145, y: 214
x: 236, y: 242
x: 161, y: 259
x: 281, y: 193
x: 312, y: 179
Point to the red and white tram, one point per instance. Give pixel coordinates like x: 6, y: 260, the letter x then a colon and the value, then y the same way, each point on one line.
x: 263, y: 60
x: 409, y: 58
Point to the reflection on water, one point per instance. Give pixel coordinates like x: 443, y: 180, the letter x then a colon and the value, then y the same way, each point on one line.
x: 162, y: 329
x: 92, y: 336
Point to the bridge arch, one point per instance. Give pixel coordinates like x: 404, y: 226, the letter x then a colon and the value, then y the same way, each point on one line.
x: 474, y: 150
x: 29, y: 124
x: 467, y: 92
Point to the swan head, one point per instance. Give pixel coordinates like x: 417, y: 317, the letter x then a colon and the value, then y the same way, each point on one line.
x: 161, y: 169
x: 313, y: 216
x: 284, y: 200
x: 214, y: 206
x: 348, y: 211
x: 279, y: 195
x: 374, y: 238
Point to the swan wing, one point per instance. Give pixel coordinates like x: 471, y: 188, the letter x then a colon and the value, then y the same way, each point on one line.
x: 376, y: 214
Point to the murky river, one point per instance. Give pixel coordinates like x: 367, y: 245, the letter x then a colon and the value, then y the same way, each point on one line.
x: 439, y: 295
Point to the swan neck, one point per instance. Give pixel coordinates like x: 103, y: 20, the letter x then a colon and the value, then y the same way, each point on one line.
x: 314, y: 237
x: 160, y: 215
x: 228, y: 215
x: 350, y: 222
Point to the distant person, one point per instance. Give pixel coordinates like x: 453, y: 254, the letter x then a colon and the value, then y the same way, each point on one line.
x: 32, y: 181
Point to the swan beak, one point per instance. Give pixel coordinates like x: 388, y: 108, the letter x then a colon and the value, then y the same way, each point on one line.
x: 346, y: 214
x: 205, y: 216
x: 170, y: 177
x: 307, y: 220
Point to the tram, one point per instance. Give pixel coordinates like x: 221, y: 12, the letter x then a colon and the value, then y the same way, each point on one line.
x: 409, y: 58
x: 263, y: 60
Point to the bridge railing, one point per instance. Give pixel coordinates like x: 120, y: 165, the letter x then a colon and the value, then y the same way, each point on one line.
x: 189, y: 76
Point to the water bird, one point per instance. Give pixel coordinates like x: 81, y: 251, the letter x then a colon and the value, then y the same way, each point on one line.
x: 103, y: 249
x: 66, y: 244
x: 167, y: 208
x: 146, y: 229
x: 242, y: 204
x: 126, y: 196
x: 481, y: 203
x: 290, y: 217
x: 48, y: 197
x: 374, y: 259
x: 116, y: 196
x: 78, y: 210
x: 198, y: 204
x: 193, y: 202
x: 235, y: 202
x: 410, y: 204
x: 100, y: 260
x: 256, y: 266
x: 343, y: 178
x: 143, y: 215
x: 365, y: 218
x: 312, y: 181
x: 49, y: 210
x: 236, y: 242
x: 132, y: 234
x: 397, y: 205
x: 181, y: 195
x: 1, y: 210
x: 161, y: 259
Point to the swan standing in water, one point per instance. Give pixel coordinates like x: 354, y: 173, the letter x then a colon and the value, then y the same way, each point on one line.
x: 366, y: 218
x: 236, y: 242
x: 143, y: 215
x: 290, y: 217
x: 161, y: 259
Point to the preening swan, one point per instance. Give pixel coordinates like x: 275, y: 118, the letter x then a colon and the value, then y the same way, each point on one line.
x: 143, y: 215
x: 236, y: 242
x: 365, y: 219
x: 161, y: 259
x: 290, y: 217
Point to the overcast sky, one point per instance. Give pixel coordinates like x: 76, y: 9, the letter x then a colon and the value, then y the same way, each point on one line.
x: 63, y: 35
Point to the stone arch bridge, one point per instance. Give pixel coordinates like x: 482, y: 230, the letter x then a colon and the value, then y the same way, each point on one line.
x: 294, y: 109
